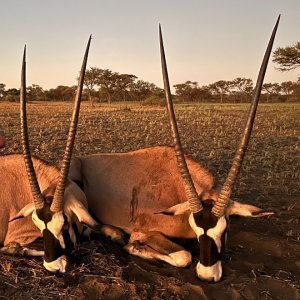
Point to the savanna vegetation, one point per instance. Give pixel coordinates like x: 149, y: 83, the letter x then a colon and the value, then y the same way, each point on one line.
x: 262, y: 258
x: 103, y: 85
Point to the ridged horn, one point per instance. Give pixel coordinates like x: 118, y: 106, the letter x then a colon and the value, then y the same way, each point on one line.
x: 34, y: 185
x: 194, y: 203
x: 220, y: 206
x: 58, y: 199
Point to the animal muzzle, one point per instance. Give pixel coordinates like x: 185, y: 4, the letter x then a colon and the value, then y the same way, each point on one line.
x: 209, y: 273
x: 58, y: 265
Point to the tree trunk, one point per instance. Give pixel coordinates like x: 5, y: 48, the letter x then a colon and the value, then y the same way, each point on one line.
x: 108, y: 98
x: 91, y: 99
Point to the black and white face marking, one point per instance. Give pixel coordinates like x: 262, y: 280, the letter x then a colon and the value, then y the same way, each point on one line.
x: 211, y: 234
x: 58, y: 236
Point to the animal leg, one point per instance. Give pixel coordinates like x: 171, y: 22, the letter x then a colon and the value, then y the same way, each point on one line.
x: 155, y: 246
x: 17, y: 249
x: 109, y: 231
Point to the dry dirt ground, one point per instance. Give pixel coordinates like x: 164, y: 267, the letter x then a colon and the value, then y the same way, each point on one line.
x: 262, y: 260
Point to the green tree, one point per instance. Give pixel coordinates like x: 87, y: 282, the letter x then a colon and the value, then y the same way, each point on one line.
x: 123, y: 84
x: 287, y: 88
x: 12, y: 95
x: 220, y: 88
x: 35, y: 93
x: 296, y: 92
x: 187, y: 91
x: 90, y: 81
x: 288, y: 58
x: 242, y: 88
x: 272, y: 90
x: 107, y: 82
x: 61, y: 93
x: 141, y: 90
x: 191, y: 91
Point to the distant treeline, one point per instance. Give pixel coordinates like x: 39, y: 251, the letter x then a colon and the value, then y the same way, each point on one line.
x: 103, y: 85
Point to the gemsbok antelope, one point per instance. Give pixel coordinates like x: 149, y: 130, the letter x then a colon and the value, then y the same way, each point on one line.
x: 57, y: 205
x: 157, y: 194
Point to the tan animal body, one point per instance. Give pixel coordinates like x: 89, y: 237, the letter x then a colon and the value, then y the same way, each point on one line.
x: 157, y: 193
x: 142, y: 193
x: 17, y: 205
x: 15, y: 194
x: 140, y: 184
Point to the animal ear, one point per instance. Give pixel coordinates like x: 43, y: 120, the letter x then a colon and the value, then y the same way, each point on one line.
x: 75, y: 204
x: 24, y: 212
x: 177, y: 209
x: 84, y: 217
x: 246, y: 210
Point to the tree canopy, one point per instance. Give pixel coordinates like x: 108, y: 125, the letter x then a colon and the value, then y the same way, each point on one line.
x: 288, y: 58
x: 104, y: 85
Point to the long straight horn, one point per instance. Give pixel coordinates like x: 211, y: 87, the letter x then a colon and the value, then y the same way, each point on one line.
x: 194, y: 203
x: 35, y: 189
x: 58, y: 200
x: 220, y: 206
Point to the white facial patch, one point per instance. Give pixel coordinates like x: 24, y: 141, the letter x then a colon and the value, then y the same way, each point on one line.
x: 38, y: 222
x: 216, y: 232
x: 55, y: 226
x: 198, y: 230
x: 57, y: 265
x: 209, y: 273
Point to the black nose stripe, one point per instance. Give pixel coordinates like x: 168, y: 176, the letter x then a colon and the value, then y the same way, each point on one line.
x: 52, y: 247
x: 209, y: 253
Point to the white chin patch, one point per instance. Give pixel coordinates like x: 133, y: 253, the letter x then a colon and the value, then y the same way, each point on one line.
x: 57, y: 265
x: 210, y: 273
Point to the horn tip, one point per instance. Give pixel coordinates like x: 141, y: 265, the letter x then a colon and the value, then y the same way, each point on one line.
x: 89, y: 42
x: 160, y: 34
x: 278, y: 19
x: 24, y: 53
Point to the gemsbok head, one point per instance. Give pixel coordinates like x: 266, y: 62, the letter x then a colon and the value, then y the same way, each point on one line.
x: 210, y: 219
x: 61, y: 204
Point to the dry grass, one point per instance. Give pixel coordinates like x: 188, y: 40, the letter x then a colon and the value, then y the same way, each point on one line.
x: 210, y: 133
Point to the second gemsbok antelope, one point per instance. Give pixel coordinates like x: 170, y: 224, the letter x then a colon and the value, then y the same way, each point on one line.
x: 58, y: 206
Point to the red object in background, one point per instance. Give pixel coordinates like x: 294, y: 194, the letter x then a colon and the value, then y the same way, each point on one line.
x: 2, y: 138
x: 2, y: 141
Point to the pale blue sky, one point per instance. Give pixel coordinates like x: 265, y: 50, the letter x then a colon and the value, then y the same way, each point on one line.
x: 205, y: 41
